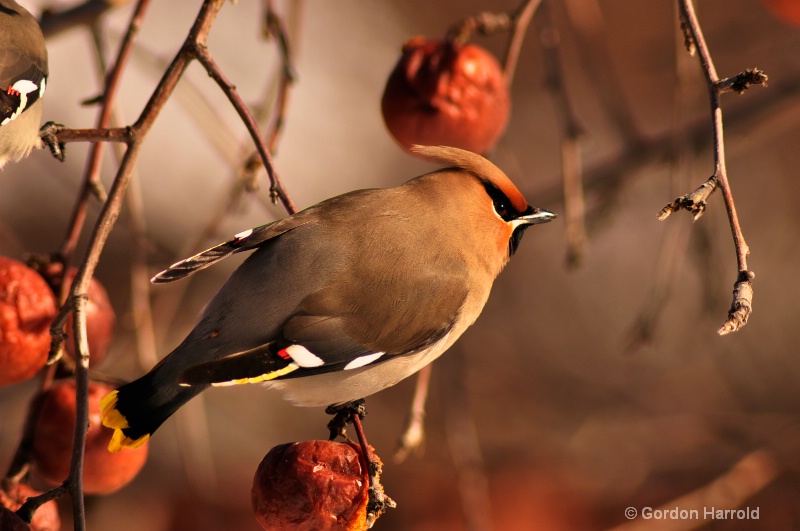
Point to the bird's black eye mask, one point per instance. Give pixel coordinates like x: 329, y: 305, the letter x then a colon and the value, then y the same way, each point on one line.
x: 501, y: 203
x: 503, y: 207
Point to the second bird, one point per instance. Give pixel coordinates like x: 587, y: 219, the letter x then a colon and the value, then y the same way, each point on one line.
x: 23, y: 79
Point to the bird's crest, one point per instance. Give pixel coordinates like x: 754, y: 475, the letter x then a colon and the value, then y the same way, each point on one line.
x: 477, y: 165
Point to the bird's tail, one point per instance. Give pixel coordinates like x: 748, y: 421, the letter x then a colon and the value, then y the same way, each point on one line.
x: 136, y: 410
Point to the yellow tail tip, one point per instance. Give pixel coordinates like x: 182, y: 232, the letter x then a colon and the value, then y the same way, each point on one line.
x: 112, y: 418
x: 109, y: 415
x: 119, y: 441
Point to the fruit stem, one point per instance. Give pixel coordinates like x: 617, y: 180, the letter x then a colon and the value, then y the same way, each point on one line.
x: 378, y: 501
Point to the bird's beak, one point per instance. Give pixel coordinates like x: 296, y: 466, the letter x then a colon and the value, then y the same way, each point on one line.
x: 536, y: 216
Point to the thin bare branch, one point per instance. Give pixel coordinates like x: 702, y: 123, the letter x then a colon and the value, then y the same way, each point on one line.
x: 673, y: 248
x: 122, y: 135
x: 586, y: 17
x: 75, y: 303
x: 141, y: 312
x: 414, y: 432
x: 273, y: 27
x: 465, y: 447
x: 92, y: 175
x: 695, y: 202
x: 86, y: 13
x: 571, y: 133
x: 200, y: 52
x: 487, y: 23
x: 519, y: 27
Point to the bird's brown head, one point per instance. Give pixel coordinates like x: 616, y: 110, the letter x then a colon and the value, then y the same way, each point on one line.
x: 507, y: 201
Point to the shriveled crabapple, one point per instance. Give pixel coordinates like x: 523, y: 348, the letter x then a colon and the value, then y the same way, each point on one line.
x: 310, y: 486
x: 444, y: 93
x: 27, y: 308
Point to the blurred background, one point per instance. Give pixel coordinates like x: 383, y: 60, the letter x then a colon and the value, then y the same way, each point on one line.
x: 582, y: 389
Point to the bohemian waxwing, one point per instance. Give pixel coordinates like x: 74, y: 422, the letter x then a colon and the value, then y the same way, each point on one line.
x: 23, y: 77
x: 343, y: 299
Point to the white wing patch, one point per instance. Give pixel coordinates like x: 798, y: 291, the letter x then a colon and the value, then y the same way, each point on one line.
x: 244, y: 234
x: 24, y: 86
x: 303, y: 357
x: 363, y: 360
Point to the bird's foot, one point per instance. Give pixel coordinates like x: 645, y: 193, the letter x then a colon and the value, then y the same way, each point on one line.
x: 343, y: 415
x: 48, y: 134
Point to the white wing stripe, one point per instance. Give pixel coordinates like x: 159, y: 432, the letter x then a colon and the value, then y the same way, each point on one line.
x: 363, y: 360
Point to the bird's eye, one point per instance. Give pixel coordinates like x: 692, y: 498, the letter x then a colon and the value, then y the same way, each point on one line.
x: 501, y: 207
x: 500, y: 202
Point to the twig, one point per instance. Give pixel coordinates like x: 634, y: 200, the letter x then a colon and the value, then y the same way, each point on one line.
x: 20, y: 463
x: 465, y: 448
x: 695, y: 201
x: 487, y: 23
x: 742, y: 81
x: 86, y: 13
x: 168, y: 306
x: 586, y: 18
x: 670, y: 257
x: 76, y: 301
x: 200, y: 52
x: 519, y: 26
x: 91, y: 177
x: 673, y: 246
x: 27, y: 509
x: 414, y: 432
x: 141, y: 310
x: 121, y: 134
x: 571, y: 131
x: 274, y: 27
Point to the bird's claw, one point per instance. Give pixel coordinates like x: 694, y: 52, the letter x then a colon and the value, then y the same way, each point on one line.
x: 343, y: 415
x: 48, y: 134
